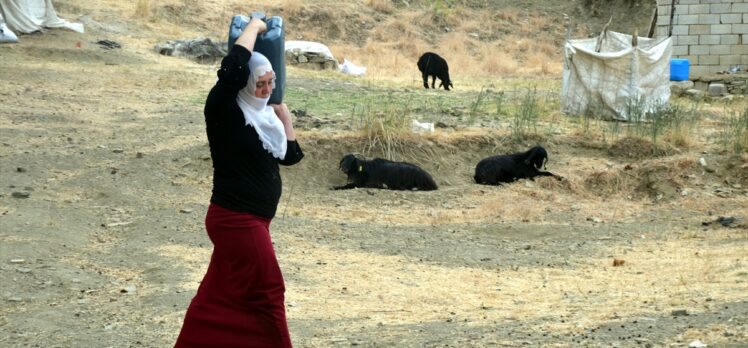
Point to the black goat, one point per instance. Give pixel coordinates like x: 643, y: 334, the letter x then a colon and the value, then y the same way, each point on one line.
x: 507, y: 168
x: 381, y: 173
x: 431, y: 64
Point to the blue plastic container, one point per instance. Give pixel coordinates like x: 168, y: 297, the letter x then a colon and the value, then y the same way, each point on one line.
x: 679, y: 69
x: 271, y: 43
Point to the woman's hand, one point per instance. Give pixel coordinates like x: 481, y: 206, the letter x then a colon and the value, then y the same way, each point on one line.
x: 257, y: 25
x: 249, y: 35
x: 281, y: 110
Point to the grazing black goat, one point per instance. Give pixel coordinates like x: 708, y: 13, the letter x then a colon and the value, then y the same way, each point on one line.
x: 507, y: 168
x: 431, y: 64
x: 381, y: 173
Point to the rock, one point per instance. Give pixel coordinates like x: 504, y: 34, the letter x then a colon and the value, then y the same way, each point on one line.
x: 679, y: 313
x: 717, y: 89
x: 695, y: 94
x: 680, y: 87
x: 17, y: 260
x: 21, y: 170
x: 21, y: 194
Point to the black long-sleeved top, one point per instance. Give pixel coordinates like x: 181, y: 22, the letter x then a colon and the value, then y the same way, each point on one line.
x: 246, y: 177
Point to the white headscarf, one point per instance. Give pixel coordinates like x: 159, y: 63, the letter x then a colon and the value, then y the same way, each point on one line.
x: 257, y: 112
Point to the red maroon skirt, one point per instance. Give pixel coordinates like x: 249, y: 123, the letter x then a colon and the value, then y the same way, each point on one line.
x: 240, y: 302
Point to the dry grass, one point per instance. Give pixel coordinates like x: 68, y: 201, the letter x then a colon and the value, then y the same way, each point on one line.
x: 143, y: 9
x: 383, y: 6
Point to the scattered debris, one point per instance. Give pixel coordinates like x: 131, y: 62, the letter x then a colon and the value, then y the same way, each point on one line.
x: 725, y: 221
x: 108, y: 44
x: 21, y: 194
x: 128, y: 289
x: 422, y: 127
x: 201, y: 49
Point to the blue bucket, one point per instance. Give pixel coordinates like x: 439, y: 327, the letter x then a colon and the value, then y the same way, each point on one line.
x: 679, y: 69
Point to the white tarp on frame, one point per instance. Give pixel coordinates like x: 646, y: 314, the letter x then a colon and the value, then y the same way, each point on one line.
x: 28, y: 16
x: 618, y: 76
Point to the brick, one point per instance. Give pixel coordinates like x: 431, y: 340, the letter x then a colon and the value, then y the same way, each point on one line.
x: 732, y: 59
x: 739, y: 29
x: 709, y: 39
x: 744, y: 60
x: 663, y: 20
x: 709, y: 19
x: 740, y: 8
x: 685, y: 2
x: 701, y: 70
x: 708, y: 60
x: 680, y: 50
x: 739, y: 49
x: 686, y: 19
x: 729, y: 39
x: 719, y: 49
x: 721, y: 29
x: 699, y: 49
x: 687, y: 40
x: 720, y: 8
x: 661, y: 32
x: 690, y: 58
x: 699, y: 29
x: 698, y: 9
x: 730, y: 18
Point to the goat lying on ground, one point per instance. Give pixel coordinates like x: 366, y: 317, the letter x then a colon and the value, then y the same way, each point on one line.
x: 431, y: 64
x: 381, y: 173
x: 507, y: 168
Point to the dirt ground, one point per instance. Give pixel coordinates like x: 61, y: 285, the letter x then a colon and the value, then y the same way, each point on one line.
x: 105, y: 179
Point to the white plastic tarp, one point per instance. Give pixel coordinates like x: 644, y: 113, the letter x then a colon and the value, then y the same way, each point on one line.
x: 617, y: 77
x: 28, y: 16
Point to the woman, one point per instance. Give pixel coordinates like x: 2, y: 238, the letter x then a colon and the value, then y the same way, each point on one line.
x: 240, y: 302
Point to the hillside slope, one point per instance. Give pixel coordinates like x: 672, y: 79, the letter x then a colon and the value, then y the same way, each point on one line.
x: 478, y: 38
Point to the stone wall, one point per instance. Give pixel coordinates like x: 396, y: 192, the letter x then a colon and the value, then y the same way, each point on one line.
x: 711, y: 34
x: 310, y: 60
x: 714, y: 85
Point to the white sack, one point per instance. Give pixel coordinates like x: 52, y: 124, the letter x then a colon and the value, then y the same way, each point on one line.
x: 28, y: 16
x: 351, y: 69
x: 610, y: 80
x: 6, y: 35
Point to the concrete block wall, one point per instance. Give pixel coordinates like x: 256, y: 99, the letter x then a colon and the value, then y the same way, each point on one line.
x: 711, y: 34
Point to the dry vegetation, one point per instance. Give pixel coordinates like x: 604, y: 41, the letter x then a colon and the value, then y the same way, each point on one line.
x: 111, y: 147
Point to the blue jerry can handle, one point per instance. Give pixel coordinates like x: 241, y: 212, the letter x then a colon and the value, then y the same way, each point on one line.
x: 271, y: 43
